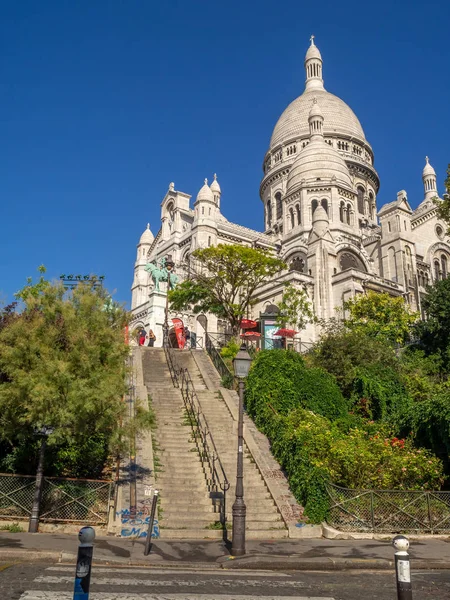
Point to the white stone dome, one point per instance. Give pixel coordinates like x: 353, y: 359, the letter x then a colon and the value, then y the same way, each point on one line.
x: 318, y: 161
x: 205, y: 193
x: 339, y: 118
x: 215, y: 187
x: 147, y: 237
x: 428, y: 169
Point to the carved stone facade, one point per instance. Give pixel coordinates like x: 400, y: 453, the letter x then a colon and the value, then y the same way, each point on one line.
x: 319, y: 193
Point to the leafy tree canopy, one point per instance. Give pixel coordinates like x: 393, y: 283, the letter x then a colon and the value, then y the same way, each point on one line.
x: 224, y: 280
x: 380, y: 315
x: 295, y: 308
x: 434, y: 331
x: 62, y: 364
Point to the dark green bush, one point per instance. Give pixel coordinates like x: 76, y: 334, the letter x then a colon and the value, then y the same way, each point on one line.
x: 280, y: 381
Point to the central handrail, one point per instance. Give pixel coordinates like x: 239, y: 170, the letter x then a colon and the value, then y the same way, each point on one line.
x: 203, y: 438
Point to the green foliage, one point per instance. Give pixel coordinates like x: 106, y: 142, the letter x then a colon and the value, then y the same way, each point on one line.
x: 62, y: 364
x: 223, y: 280
x: 229, y: 351
x: 434, y: 332
x: 295, y: 309
x: 12, y: 528
x: 443, y: 206
x: 380, y: 315
x: 379, y: 394
x: 342, y: 352
x: 279, y: 381
x: 314, y: 451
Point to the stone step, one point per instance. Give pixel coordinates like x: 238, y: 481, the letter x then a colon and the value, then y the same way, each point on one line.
x: 190, y: 534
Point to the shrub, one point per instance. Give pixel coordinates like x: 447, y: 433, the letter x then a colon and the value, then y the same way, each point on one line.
x: 279, y: 381
x: 314, y: 451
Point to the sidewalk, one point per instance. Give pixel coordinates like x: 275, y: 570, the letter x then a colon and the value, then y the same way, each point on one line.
x: 312, y: 555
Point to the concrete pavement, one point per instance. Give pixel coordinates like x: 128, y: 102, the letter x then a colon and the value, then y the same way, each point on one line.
x: 318, y: 555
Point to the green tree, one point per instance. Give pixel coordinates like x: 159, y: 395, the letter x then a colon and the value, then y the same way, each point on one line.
x: 443, y: 206
x: 63, y: 364
x: 295, y: 308
x: 342, y: 352
x: 224, y: 280
x: 434, y: 331
x: 380, y: 315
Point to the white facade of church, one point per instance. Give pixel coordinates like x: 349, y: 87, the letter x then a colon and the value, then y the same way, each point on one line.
x: 319, y: 193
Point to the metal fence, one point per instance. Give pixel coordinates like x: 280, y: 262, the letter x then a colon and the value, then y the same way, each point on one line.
x: 389, y: 511
x: 63, y: 500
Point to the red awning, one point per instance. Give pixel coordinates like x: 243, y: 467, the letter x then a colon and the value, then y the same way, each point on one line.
x: 250, y: 335
x: 248, y: 324
x: 286, y: 333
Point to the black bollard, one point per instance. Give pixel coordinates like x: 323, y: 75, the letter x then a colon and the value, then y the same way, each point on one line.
x: 402, y: 568
x: 86, y: 537
x: 148, y: 541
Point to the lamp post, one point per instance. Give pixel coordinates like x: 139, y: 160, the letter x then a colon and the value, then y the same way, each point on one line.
x: 169, y: 266
x: 241, y: 365
x: 33, y: 525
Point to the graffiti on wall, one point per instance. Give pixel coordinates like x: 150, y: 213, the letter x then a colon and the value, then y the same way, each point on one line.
x: 137, y: 525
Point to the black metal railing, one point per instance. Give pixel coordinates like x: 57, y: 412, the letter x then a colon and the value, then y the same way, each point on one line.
x: 216, y: 478
x: 389, y: 511
x: 212, y: 345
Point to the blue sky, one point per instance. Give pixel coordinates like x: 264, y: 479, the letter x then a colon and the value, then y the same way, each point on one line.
x: 104, y: 103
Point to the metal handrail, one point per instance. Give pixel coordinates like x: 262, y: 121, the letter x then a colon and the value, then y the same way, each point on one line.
x: 217, y: 360
x: 202, y: 435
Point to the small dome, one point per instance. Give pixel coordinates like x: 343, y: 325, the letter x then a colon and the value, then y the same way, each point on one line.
x: 318, y: 161
x: 215, y: 187
x: 313, y: 51
x: 205, y: 193
x: 147, y: 237
x: 428, y: 169
x: 320, y: 215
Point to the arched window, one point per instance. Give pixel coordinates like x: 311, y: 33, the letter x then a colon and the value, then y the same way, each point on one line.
x: 360, y: 192
x: 349, y: 212
x: 444, y: 266
x: 299, y: 214
x: 291, y: 215
x: 436, y: 270
x: 314, y: 205
x: 269, y: 213
x: 324, y: 203
x: 209, y: 240
x: 348, y: 260
x: 298, y: 263
x: 392, y: 264
x: 279, y: 205
x: 341, y: 212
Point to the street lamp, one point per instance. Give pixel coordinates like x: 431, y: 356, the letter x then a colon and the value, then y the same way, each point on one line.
x: 169, y: 266
x: 43, y: 432
x: 241, y: 365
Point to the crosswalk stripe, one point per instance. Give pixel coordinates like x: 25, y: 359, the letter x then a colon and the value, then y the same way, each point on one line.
x: 152, y: 571
x: 174, y: 582
x: 41, y: 595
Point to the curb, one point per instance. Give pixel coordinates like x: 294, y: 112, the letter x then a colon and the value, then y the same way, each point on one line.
x: 248, y: 563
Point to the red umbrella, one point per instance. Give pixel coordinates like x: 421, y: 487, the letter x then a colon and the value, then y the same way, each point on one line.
x: 250, y: 335
x: 286, y: 333
x: 248, y: 324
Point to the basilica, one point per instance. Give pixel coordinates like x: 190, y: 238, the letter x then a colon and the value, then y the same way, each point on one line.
x: 319, y: 196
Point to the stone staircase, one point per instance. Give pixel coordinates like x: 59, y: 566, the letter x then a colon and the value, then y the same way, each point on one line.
x: 186, y: 509
x: 263, y: 518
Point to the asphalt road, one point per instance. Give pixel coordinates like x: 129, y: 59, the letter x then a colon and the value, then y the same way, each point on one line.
x: 28, y: 581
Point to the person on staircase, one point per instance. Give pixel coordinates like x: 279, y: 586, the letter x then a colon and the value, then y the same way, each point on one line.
x: 142, y: 335
x: 151, y: 338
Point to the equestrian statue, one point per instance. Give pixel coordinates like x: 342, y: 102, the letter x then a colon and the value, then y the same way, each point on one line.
x: 159, y: 272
